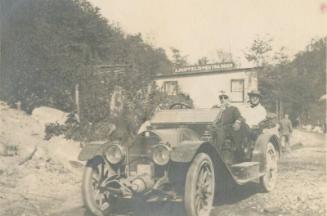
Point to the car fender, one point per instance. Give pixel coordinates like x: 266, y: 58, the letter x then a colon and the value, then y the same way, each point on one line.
x: 90, y: 150
x: 185, y: 151
x: 259, y: 151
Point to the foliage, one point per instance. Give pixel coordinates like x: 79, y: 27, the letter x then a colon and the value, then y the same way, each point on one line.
x: 122, y: 125
x: 203, y: 61
x: 179, y: 60
x: 259, y: 51
x: 48, y: 46
x: 293, y: 86
x: 223, y: 56
x: 136, y: 109
x: 307, y: 83
x: 70, y: 129
x: 53, y: 129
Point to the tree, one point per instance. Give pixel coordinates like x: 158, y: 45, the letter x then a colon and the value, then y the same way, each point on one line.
x: 306, y: 83
x: 179, y: 60
x: 49, y: 46
x: 223, y: 56
x: 259, y: 51
x: 203, y: 61
x: 292, y: 87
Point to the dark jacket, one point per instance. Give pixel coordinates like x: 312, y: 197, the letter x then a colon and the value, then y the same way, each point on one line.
x: 228, y: 116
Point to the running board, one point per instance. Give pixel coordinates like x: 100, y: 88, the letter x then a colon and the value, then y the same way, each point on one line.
x: 245, y: 172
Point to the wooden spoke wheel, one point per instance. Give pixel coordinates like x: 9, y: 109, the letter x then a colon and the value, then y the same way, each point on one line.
x: 96, y: 198
x: 200, y: 186
x: 268, y: 181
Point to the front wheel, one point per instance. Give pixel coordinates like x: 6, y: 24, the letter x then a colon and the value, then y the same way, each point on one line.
x: 97, y: 199
x: 268, y: 181
x: 200, y: 186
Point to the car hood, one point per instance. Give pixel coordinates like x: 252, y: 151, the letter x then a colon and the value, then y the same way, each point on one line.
x: 173, y: 136
x: 185, y: 116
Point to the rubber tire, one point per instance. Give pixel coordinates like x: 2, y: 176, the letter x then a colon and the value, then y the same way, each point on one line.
x: 89, y: 202
x: 191, y: 180
x: 263, y: 179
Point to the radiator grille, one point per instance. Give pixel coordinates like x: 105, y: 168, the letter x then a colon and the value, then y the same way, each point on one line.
x: 141, y: 151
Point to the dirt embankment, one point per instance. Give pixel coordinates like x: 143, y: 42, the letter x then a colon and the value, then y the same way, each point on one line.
x: 42, y: 176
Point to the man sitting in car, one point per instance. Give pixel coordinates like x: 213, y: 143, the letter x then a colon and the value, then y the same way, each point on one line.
x: 240, y: 129
x: 228, y: 118
x: 229, y: 114
x: 255, y: 112
x: 254, y: 116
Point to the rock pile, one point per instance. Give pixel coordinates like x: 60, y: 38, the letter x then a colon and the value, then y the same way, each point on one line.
x: 32, y: 168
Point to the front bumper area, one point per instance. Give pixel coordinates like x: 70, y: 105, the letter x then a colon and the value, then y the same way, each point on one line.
x: 151, y: 189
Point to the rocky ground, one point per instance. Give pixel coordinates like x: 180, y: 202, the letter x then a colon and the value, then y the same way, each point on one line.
x: 48, y: 183
x: 43, y: 176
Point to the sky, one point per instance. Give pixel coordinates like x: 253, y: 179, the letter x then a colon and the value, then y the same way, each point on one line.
x: 199, y: 27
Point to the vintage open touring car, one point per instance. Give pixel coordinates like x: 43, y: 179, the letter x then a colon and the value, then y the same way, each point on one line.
x: 178, y: 158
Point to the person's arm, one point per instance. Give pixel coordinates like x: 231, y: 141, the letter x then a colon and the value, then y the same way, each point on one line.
x: 237, y: 119
x: 217, y: 119
x: 290, y: 126
x: 237, y: 115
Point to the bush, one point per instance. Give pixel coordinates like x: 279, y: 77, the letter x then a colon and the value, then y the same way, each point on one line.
x: 70, y: 129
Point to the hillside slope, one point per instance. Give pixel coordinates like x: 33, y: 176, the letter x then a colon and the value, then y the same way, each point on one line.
x: 42, y: 173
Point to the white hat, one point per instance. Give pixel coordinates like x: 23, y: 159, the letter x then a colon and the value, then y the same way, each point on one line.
x: 223, y: 93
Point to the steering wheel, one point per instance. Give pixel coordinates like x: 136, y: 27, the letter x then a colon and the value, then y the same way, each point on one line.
x: 180, y: 106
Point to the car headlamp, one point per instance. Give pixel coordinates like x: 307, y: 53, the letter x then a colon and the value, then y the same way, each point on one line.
x: 161, y: 154
x: 115, y: 154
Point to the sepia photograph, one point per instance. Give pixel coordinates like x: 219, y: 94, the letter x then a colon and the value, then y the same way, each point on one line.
x: 163, y: 108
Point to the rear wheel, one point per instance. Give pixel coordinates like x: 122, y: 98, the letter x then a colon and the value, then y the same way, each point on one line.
x: 97, y: 199
x: 200, y: 186
x: 268, y: 181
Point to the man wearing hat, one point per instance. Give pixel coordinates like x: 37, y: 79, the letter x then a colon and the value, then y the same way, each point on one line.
x: 228, y: 122
x: 255, y: 112
x: 248, y: 130
x: 229, y: 114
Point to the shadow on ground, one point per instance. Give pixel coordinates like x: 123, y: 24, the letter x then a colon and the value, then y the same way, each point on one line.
x: 237, y: 193
x: 139, y: 208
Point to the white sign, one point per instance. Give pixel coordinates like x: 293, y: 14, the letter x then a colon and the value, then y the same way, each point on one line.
x: 205, y: 68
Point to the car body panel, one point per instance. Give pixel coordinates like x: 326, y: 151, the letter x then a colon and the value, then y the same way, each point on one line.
x: 90, y: 150
x: 185, y: 151
x: 185, y: 116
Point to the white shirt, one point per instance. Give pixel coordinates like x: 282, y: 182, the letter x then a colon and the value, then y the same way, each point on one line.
x: 254, y: 115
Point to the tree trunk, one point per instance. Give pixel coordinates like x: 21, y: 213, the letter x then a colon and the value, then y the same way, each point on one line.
x: 77, y: 103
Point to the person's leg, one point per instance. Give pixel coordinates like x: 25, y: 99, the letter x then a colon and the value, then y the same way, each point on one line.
x: 219, y: 137
x: 226, y: 144
x: 242, y: 142
x: 282, y: 141
x: 287, y: 143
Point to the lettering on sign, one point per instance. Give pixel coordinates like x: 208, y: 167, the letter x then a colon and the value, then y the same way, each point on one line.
x: 205, y: 68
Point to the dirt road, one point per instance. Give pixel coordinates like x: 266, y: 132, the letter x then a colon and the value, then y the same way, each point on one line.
x: 301, y: 185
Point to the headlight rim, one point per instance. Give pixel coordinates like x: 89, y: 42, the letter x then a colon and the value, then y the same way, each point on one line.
x: 167, y: 147
x: 122, y: 152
